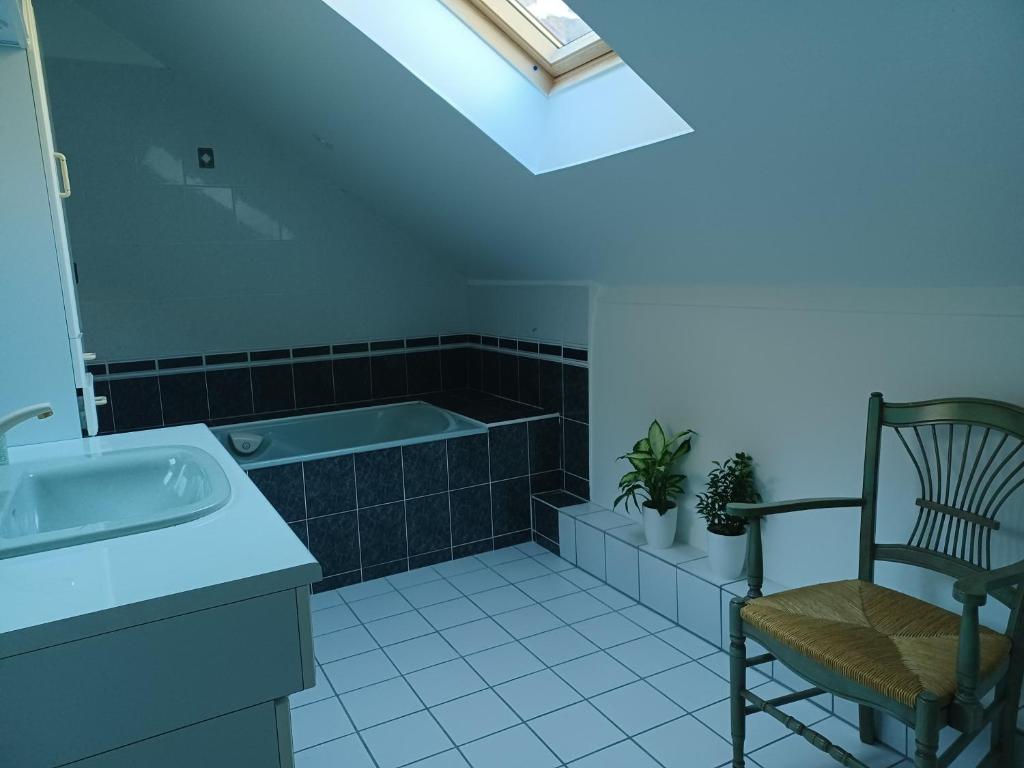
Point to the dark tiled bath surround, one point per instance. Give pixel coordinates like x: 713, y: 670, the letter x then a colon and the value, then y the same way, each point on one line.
x: 380, y: 512
x: 485, y: 378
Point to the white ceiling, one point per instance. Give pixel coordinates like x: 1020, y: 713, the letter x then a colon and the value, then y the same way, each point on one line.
x: 851, y: 141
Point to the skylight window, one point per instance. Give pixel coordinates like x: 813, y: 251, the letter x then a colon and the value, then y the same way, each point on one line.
x: 545, y: 39
x: 556, y: 17
x: 546, y: 123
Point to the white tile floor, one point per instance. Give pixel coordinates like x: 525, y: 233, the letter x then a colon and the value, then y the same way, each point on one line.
x: 517, y: 659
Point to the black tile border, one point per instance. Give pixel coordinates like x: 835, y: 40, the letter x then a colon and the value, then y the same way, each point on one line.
x: 227, y: 357
x: 171, y: 363
x: 348, y: 349
x: 552, y: 350
x: 320, y: 351
x: 423, y: 341
x: 506, y: 346
x: 270, y: 354
x: 133, y: 366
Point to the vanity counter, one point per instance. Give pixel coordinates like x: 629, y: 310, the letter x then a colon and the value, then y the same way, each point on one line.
x: 242, y: 550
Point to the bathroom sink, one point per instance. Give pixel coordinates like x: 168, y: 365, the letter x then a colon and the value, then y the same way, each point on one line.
x: 60, y: 503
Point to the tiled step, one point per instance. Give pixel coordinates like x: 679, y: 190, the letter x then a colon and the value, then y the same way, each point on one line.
x: 676, y: 582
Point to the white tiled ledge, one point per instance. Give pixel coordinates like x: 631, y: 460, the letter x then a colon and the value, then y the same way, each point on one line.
x: 676, y: 582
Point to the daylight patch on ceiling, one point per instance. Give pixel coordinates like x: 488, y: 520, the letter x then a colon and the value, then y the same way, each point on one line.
x: 610, y: 112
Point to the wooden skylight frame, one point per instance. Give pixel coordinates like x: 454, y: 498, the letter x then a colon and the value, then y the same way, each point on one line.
x: 528, y: 46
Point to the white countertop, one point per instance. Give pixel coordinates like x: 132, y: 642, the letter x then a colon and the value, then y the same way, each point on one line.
x: 242, y: 550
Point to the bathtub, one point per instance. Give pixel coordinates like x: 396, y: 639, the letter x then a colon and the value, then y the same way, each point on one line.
x: 268, y: 443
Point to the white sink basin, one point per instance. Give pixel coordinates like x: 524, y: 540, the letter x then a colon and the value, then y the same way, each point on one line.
x: 60, y: 503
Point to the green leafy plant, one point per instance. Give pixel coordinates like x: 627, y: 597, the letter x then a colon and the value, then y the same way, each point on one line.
x: 731, y: 480
x: 651, y: 482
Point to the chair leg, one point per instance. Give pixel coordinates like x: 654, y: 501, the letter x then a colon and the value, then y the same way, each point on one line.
x: 737, y: 680
x: 926, y: 731
x: 1004, y: 729
x: 868, y: 730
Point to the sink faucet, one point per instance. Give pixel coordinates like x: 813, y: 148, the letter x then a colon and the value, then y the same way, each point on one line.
x: 14, y: 418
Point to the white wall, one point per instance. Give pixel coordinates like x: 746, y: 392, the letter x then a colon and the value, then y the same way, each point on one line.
x: 785, y: 374
x: 556, y: 313
x: 35, y: 357
x: 834, y: 142
x: 261, y: 251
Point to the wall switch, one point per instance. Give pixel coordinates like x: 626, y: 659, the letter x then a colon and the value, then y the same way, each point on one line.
x: 205, y: 157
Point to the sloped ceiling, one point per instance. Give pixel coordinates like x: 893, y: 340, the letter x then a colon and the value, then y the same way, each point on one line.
x: 859, y: 141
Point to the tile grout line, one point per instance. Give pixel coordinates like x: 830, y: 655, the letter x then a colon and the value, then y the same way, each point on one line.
x: 493, y: 688
x: 518, y: 641
x: 405, y: 509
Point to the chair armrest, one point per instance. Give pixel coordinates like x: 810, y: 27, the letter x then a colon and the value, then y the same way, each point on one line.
x: 973, y: 591
x: 753, y: 514
x: 749, y: 511
x: 978, y: 586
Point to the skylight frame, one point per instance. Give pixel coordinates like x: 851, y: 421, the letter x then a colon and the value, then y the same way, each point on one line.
x: 525, y: 43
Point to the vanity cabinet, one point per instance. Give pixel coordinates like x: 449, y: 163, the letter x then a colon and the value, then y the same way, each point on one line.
x: 205, y: 688
x: 255, y: 737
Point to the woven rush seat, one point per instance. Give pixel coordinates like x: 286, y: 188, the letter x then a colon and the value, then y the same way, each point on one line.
x: 887, y: 641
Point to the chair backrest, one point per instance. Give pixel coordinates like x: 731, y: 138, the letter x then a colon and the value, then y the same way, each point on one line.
x: 969, y: 458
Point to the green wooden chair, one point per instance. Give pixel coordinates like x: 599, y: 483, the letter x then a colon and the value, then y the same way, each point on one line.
x: 884, y: 650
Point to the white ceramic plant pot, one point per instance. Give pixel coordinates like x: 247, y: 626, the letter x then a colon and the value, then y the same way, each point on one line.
x: 727, y: 554
x: 660, y: 529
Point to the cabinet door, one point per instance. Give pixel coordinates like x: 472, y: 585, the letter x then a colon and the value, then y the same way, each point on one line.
x: 58, y: 183
x: 117, y: 688
x: 253, y: 738
x: 34, y: 347
x: 58, y: 174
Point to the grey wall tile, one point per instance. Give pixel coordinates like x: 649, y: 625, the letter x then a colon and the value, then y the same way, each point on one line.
x: 282, y: 486
x: 272, y: 388
x: 330, y: 485
x: 382, y: 533
x: 230, y: 392
x: 183, y: 397
x: 314, y: 384
x: 467, y: 461
x: 510, y: 505
x: 378, y: 477
x: 545, y: 444
x: 509, y: 451
x: 334, y: 542
x: 425, y: 467
x: 352, y: 380
x: 429, y: 523
x: 471, y: 514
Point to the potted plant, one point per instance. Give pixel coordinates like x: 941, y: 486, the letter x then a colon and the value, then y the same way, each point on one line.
x: 651, y: 484
x: 729, y: 480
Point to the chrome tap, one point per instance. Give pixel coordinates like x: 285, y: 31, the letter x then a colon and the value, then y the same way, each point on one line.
x: 14, y: 418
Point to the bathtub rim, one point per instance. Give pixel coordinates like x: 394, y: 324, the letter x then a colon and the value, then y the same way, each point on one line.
x: 256, y: 424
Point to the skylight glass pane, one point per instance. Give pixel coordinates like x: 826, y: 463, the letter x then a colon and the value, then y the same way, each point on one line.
x: 557, y: 18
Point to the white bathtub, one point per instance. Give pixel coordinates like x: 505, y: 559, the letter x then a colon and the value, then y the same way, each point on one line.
x: 258, y: 444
